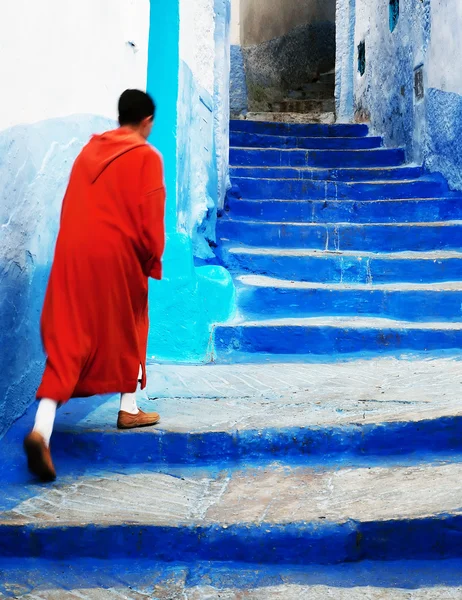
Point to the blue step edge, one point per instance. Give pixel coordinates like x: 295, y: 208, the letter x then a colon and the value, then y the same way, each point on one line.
x: 334, y: 174
x: 257, y: 140
x: 292, y: 189
x: 332, y: 340
x: 34, y: 574
x: 300, y: 129
x: 331, y: 267
x: 321, y: 542
x: 373, y: 237
x: 253, y: 157
x: 416, y: 305
x: 344, y: 211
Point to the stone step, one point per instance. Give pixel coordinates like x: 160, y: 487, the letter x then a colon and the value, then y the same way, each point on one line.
x: 371, y: 237
x: 300, y: 129
x: 338, y: 267
x: 335, y: 174
x: 99, y: 579
x: 260, y: 296
x: 274, y: 514
x: 317, y: 118
x: 256, y: 157
x: 301, y: 106
x: 347, y: 211
x: 321, y: 336
x: 259, y: 140
x: 318, y: 412
x: 263, y: 189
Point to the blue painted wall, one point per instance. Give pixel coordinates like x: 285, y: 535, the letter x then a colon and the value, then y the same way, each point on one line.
x: 189, y: 299
x: 163, y: 65
x: 35, y: 162
x: 197, y: 164
x: 221, y: 95
x: 442, y: 151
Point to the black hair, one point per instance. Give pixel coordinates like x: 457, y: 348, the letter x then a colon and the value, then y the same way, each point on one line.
x: 135, y: 106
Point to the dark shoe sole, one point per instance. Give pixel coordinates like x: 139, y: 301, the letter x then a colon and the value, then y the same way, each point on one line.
x: 36, y: 462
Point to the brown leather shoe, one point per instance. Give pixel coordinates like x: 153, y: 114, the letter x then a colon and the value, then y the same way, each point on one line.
x: 128, y: 421
x: 39, y: 457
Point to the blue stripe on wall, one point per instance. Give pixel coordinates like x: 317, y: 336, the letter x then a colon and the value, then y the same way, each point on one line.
x: 163, y: 66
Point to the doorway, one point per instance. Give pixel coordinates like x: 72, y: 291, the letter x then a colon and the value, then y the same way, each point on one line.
x: 283, y: 54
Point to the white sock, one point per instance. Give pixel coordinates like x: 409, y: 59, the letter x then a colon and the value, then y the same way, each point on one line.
x: 128, y: 401
x: 45, y: 418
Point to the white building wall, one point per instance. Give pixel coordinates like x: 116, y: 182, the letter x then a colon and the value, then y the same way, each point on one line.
x: 61, y: 58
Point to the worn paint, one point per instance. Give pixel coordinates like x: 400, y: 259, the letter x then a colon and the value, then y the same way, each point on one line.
x: 424, y: 42
x: 190, y: 299
x: 367, y: 580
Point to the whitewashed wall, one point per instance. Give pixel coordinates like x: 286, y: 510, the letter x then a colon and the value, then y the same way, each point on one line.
x: 61, y: 57
x: 197, y: 46
x: 203, y: 115
x: 444, y: 71
x: 235, y: 23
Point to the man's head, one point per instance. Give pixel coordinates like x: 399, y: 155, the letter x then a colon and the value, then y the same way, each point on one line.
x: 137, y: 110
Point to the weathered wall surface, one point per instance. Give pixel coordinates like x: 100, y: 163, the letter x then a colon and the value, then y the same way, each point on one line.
x: 286, y: 43
x: 59, y: 86
x: 345, y: 22
x: 191, y: 298
x: 264, y: 20
x: 444, y: 95
x: 385, y: 92
x: 427, y: 36
x: 203, y: 124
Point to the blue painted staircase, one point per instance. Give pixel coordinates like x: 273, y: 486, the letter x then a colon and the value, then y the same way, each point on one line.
x: 292, y: 480
x: 337, y: 246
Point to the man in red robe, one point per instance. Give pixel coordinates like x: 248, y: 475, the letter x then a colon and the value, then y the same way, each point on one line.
x: 111, y: 240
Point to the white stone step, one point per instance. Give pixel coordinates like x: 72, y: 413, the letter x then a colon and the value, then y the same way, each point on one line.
x: 306, y: 252
x: 271, y: 282
x: 240, y: 397
x: 349, y: 323
x: 274, y: 495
